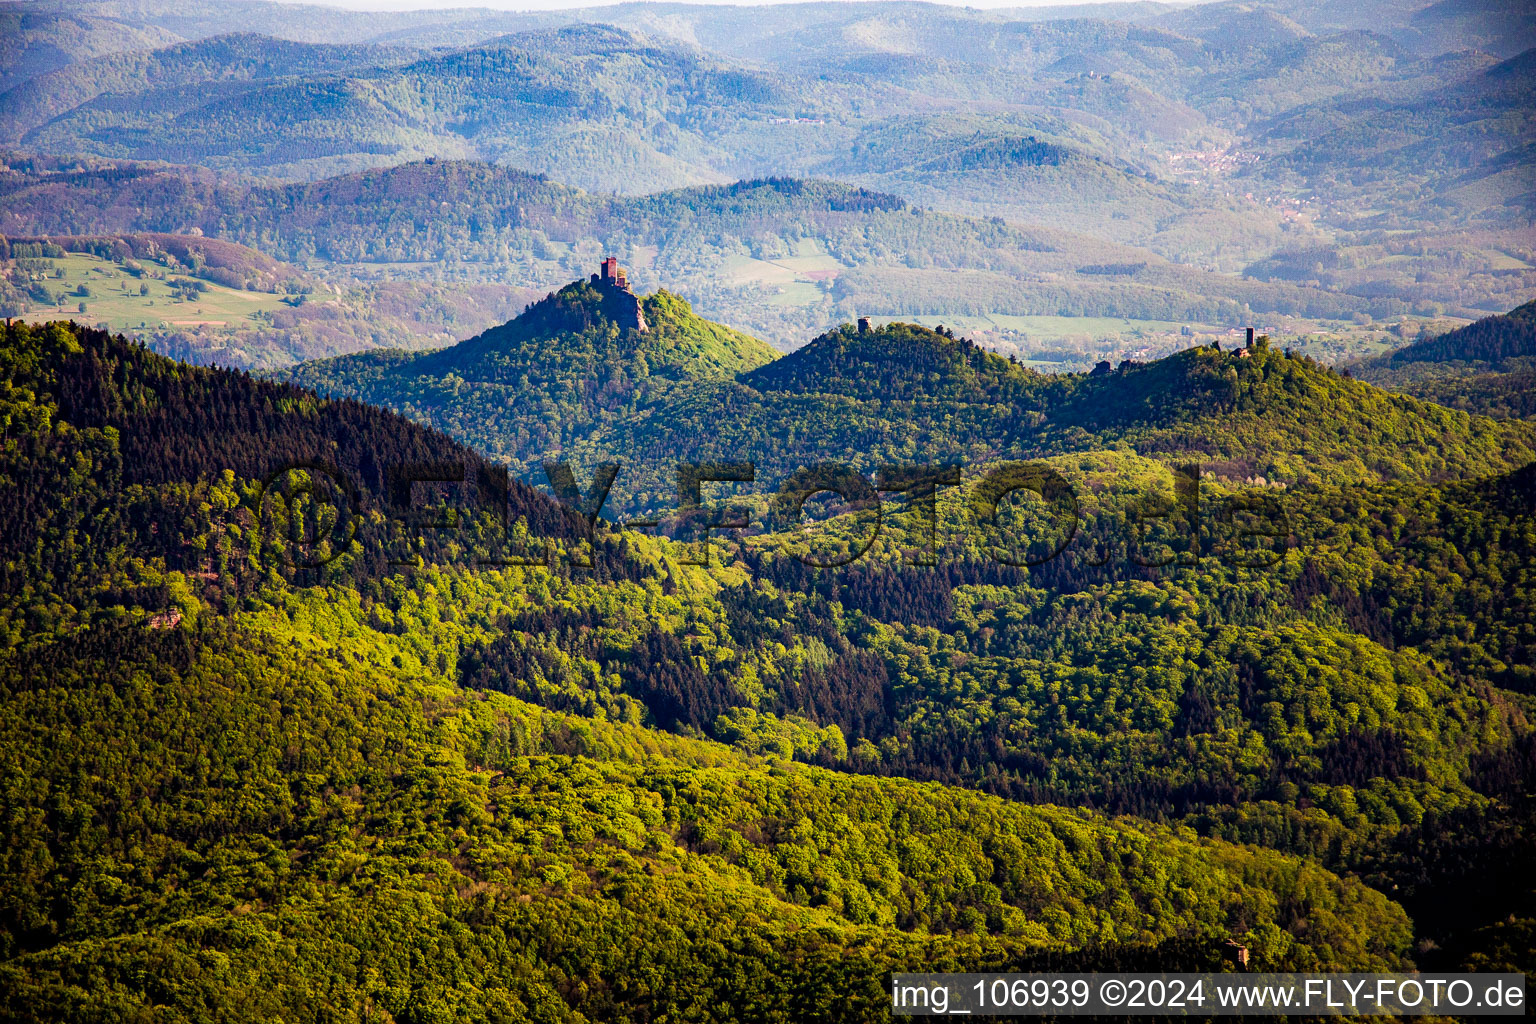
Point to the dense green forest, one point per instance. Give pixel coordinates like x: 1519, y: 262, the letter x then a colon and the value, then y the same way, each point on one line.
x: 246, y: 783
x: 1487, y: 367
x: 295, y: 741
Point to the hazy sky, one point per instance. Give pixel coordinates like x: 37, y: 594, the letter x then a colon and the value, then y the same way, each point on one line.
x: 549, y: 5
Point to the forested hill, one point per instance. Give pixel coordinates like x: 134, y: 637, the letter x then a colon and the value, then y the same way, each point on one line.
x: 902, y: 391
x: 104, y: 424
x: 581, y: 328
x: 1487, y: 367
x: 241, y: 787
x: 556, y: 374
x: 898, y: 361
x: 535, y: 389
x: 1492, y: 341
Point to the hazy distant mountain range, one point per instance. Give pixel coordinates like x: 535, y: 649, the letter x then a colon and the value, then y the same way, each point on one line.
x: 933, y: 99
x: 1338, y: 164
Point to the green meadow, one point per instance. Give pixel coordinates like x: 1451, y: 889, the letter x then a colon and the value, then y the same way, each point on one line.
x: 114, y: 296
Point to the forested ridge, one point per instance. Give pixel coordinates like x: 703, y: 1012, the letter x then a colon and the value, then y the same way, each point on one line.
x: 1488, y: 366
x: 898, y: 393
x: 536, y: 386
x: 414, y: 780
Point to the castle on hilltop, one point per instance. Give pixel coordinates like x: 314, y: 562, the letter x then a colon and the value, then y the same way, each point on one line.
x: 621, y: 304
x: 611, y: 273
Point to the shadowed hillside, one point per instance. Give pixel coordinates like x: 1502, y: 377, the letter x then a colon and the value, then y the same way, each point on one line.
x: 1487, y: 367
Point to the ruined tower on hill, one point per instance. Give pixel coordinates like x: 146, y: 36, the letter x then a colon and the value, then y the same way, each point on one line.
x: 619, y: 303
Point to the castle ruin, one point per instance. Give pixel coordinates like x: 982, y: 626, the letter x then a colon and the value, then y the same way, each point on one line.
x: 619, y: 303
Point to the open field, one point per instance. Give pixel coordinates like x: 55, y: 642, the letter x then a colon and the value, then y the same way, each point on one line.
x: 117, y: 298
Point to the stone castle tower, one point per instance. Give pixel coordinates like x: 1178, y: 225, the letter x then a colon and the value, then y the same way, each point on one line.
x: 621, y: 304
